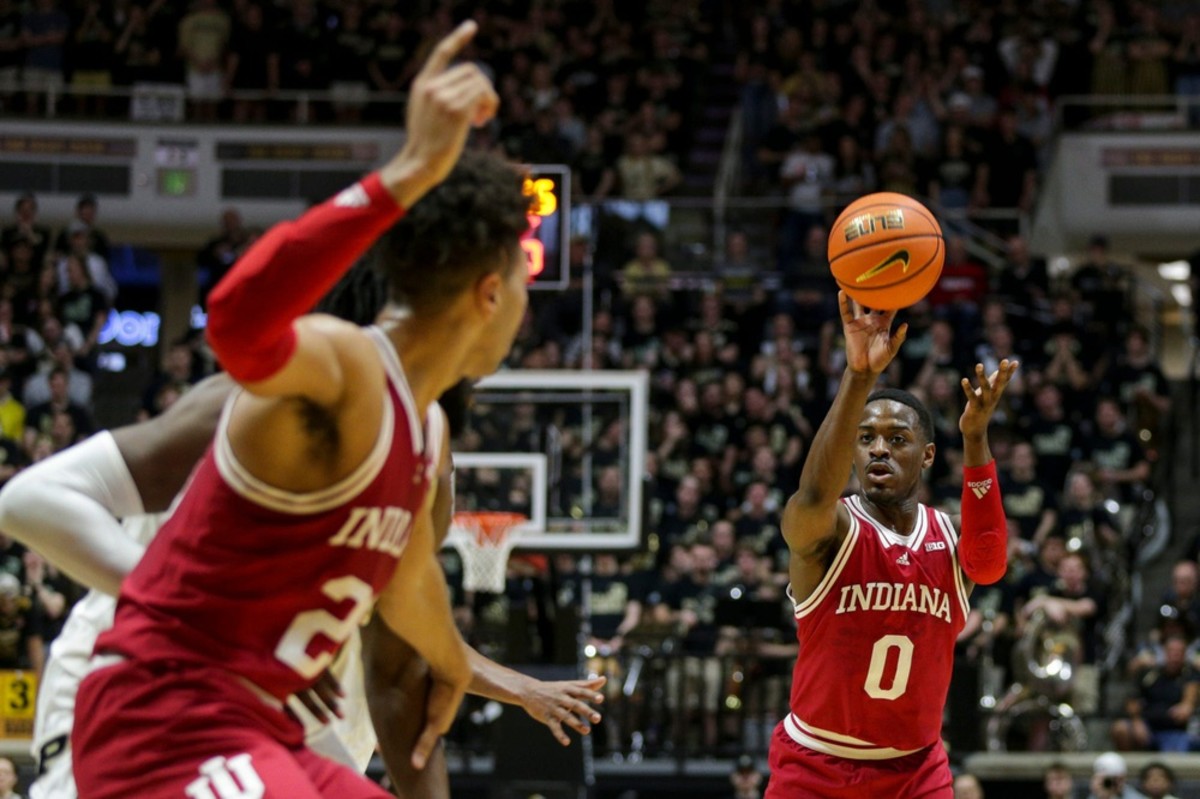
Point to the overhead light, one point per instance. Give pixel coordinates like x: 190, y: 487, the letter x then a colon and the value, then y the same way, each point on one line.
x: 1182, y: 294
x: 1175, y: 270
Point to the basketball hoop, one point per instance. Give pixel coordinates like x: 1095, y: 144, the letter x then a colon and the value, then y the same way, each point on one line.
x: 484, y: 542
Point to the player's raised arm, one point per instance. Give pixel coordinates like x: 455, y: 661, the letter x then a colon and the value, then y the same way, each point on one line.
x: 983, y: 546
x: 811, y: 519
x: 255, y: 325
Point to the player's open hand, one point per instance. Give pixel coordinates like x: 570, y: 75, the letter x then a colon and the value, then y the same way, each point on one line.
x: 983, y: 397
x: 870, y: 343
x: 445, y: 102
x: 566, y: 703
x: 324, y: 698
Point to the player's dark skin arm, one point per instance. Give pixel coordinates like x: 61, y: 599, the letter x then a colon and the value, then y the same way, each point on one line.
x: 814, y: 522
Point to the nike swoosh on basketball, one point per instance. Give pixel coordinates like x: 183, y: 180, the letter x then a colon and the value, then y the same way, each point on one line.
x: 898, y: 257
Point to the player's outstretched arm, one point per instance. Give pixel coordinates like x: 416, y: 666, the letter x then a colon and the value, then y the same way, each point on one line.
x: 557, y: 704
x: 253, y: 317
x: 983, y: 546
x: 812, y: 516
x: 68, y: 507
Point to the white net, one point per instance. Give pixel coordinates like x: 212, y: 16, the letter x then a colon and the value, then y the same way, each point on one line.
x: 484, y: 542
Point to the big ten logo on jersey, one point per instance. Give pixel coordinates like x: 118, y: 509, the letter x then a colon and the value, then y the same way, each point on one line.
x: 227, y: 778
x: 859, y: 226
x: 18, y: 700
x: 383, y: 530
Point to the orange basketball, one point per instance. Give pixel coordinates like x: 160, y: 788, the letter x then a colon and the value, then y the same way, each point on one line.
x: 886, y: 250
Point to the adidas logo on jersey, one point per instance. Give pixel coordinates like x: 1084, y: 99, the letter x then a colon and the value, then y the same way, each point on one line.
x: 933, y: 546
x: 903, y: 559
x: 980, y: 487
x: 353, y: 197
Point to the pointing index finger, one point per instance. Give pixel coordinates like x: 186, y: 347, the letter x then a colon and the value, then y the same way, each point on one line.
x: 448, y: 48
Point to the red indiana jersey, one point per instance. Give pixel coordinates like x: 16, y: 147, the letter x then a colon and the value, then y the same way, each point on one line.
x: 266, y: 583
x: 877, y: 640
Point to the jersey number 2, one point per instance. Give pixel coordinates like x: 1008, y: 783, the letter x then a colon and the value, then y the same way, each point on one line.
x: 293, y: 647
x: 879, y: 658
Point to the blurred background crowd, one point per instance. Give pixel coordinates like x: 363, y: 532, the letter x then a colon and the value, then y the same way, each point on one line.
x: 951, y: 102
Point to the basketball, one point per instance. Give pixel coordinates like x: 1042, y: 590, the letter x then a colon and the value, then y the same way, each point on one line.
x: 886, y: 251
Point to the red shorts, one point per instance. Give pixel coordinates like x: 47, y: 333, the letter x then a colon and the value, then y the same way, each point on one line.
x: 169, y: 731
x: 798, y: 772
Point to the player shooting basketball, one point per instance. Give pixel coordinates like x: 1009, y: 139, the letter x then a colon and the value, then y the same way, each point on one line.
x: 315, y: 502
x: 880, y: 582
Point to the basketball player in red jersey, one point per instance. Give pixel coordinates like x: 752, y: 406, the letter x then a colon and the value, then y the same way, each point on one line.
x: 880, y: 583
x: 314, y: 502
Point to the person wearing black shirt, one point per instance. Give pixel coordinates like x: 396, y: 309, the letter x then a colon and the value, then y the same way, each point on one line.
x: 26, y: 228
x: 1084, y: 521
x: 248, y: 63
x: 1120, y: 462
x: 1027, y: 500
x: 1051, y: 435
x: 1157, y: 717
x: 350, y: 81
x: 1138, y: 382
x: 1038, y: 582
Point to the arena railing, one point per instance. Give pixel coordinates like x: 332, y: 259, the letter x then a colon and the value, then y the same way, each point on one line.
x: 1126, y: 112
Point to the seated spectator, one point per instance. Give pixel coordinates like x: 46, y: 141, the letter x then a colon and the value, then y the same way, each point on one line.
x: 1104, y: 289
x: 1085, y: 522
x: 962, y: 287
x: 1157, y: 717
x: 83, y: 307
x: 1184, y: 594
x: 953, y: 175
x: 1138, y: 382
x: 1109, y: 774
x: 40, y: 419
x: 1157, y: 781
x: 1028, y: 500
x: 593, y: 176
x: 1116, y: 454
x: 1057, y: 782
x: 16, y: 638
x: 86, y: 208
x: 807, y: 174
x: 178, y: 368
x: 97, y: 268
x: 25, y: 228
x: 646, y: 274
x: 38, y: 387
x: 1023, y: 280
x: 221, y: 251
x: 12, y: 412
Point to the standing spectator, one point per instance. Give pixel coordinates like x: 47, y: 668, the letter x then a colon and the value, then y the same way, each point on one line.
x: 86, y: 208
x: 1027, y: 500
x: 854, y: 174
x: 1157, y: 781
x: 953, y: 176
x: 248, y: 63
x: 39, y: 420
x: 1148, y: 51
x: 84, y: 307
x: 12, y: 46
x: 392, y: 59
x: 302, y: 50
x: 178, y: 369
x: 138, y: 52
x: 25, y: 226
x: 14, y: 624
x: 91, y: 44
x: 960, y: 290
x: 1085, y: 522
x: 1157, y: 718
x: 647, y: 273
x: 222, y: 250
x: 1104, y: 288
x: 1140, y: 384
x: 203, y: 39
x: 1007, y: 175
x: 643, y: 175
x: 592, y: 173
x: 807, y: 174
x: 44, y: 30
x: 349, y: 79
x: 1023, y: 280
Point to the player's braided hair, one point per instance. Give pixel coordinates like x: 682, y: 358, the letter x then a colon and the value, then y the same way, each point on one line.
x: 467, y: 226
x: 924, y: 417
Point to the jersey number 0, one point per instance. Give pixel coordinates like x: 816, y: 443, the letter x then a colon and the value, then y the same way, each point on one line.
x: 879, y: 658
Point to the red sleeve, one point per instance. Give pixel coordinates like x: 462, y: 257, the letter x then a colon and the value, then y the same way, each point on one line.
x: 983, y: 539
x: 282, y: 276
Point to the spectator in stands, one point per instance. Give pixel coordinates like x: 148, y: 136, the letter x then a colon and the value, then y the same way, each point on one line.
x: 248, y: 63
x: 178, y: 370
x: 51, y: 595
x: 1085, y: 522
x: 1109, y: 774
x: 1138, y: 381
x: 84, y: 307
x: 953, y: 172
x: 746, y: 779
x: 91, y: 50
x: 11, y: 55
x: 1104, y: 288
x: 1157, y: 781
x: 86, y: 208
x: 1184, y: 593
x: 350, y: 79
x: 1027, y: 500
x: 983, y: 107
x: 95, y: 266
x: 1157, y: 718
x: 1057, y: 782
x: 959, y: 293
x: 40, y: 419
x: 1007, y: 176
x: 138, y: 52
x: 15, y: 636
x: 1148, y: 51
x: 853, y: 175
x: 807, y: 174
x: 966, y: 786
x: 44, y: 30
x: 8, y: 779
x: 204, y: 36
x: 643, y: 175
x: 62, y: 356
x: 593, y: 176
x: 12, y: 412
x: 1023, y: 280
x: 1115, y: 453
x: 647, y: 273
x: 1186, y: 66
x: 220, y: 252
x: 25, y: 228
x: 898, y: 165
